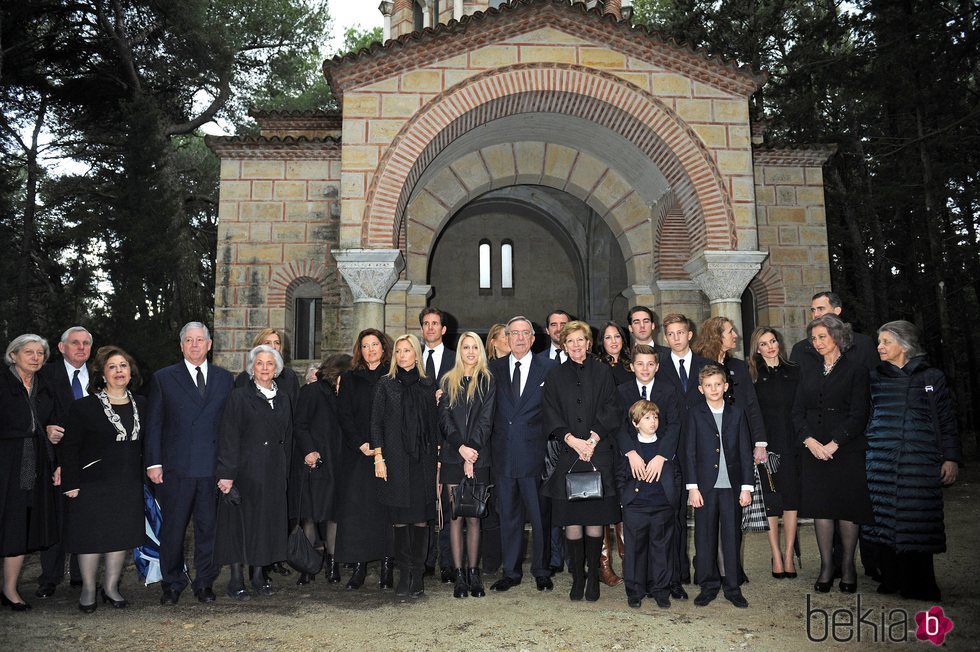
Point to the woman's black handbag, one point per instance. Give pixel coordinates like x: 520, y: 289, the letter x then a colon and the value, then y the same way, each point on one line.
x: 583, y: 485
x: 300, y: 553
x: 470, y: 499
x: 772, y: 499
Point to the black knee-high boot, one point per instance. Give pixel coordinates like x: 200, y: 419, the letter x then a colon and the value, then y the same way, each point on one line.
x: 576, y: 553
x: 420, y: 546
x: 403, y: 556
x: 593, y: 549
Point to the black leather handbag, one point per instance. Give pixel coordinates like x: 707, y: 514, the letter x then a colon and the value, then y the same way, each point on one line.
x: 300, y: 553
x: 583, y: 485
x: 470, y: 499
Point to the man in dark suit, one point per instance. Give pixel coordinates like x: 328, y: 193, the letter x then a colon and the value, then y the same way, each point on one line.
x: 863, y: 348
x: 519, y: 446
x: 69, y: 380
x: 679, y: 368
x: 438, y: 360
x: 185, y: 406
x: 719, y: 480
x: 555, y: 325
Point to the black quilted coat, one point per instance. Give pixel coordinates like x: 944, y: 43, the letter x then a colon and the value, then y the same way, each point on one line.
x: 911, y: 433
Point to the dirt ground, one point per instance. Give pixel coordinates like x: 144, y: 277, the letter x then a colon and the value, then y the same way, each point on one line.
x: 325, y: 616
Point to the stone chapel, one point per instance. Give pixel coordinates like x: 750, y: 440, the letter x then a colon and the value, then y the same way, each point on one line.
x: 495, y: 158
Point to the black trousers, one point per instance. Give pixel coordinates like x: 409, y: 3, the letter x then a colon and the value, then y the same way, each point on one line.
x: 180, y: 500
x: 648, y: 566
x: 721, y: 514
x: 518, y: 497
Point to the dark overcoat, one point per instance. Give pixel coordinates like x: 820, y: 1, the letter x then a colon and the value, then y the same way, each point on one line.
x: 254, y: 444
x: 468, y: 422
x: 911, y: 433
x: 314, y: 493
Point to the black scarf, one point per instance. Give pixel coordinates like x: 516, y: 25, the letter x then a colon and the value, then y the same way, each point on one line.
x: 416, y: 422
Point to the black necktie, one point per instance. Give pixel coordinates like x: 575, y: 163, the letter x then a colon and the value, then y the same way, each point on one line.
x: 558, y: 356
x: 430, y: 365
x: 643, y: 392
x: 200, y: 381
x: 76, y: 385
x: 515, y: 383
x: 683, y: 374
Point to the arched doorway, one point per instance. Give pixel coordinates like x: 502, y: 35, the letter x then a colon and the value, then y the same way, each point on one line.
x: 526, y: 249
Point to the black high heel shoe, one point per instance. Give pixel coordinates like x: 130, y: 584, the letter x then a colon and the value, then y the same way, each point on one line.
x: 822, y: 587
x: 14, y: 606
x: 88, y: 608
x: 775, y: 575
x: 116, y: 604
x: 848, y: 587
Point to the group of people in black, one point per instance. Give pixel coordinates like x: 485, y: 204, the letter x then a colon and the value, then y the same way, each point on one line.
x: 364, y: 456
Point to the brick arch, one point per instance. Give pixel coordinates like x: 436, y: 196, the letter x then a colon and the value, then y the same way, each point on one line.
x: 624, y: 108
x: 289, y: 276
x: 468, y: 177
x: 768, y: 288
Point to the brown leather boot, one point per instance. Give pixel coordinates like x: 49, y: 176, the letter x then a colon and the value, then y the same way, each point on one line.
x: 606, y: 573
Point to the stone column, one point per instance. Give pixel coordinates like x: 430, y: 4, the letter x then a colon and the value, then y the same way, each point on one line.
x: 402, y: 18
x: 723, y: 277
x: 370, y: 273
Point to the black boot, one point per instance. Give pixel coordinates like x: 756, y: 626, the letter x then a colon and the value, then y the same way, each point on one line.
x: 462, y: 587
x: 236, y: 583
x: 419, y: 548
x: 260, y: 581
x: 576, y: 553
x: 385, y: 580
x: 593, y: 550
x: 476, y: 584
x: 333, y: 569
x: 357, y: 577
x: 403, y: 555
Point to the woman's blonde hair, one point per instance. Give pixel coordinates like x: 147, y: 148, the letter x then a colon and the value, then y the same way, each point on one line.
x: 452, y: 382
x: 414, y: 343
x: 577, y: 325
x: 492, y: 334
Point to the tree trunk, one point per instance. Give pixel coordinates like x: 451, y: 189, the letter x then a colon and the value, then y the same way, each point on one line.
x: 24, y: 317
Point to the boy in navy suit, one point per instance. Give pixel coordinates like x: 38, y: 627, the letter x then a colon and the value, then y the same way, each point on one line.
x: 720, y: 482
x: 649, y: 508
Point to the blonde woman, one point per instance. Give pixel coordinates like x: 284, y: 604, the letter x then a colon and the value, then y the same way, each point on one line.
x: 497, y: 346
x: 404, y: 436
x: 466, y: 420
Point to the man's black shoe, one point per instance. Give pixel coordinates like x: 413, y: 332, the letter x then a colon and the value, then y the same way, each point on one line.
x: 205, y: 595
x: 45, y: 591
x: 169, y: 596
x: 677, y: 592
x: 544, y: 583
x: 663, y: 602
x: 704, y: 598
x: 738, y: 600
x: 504, y: 584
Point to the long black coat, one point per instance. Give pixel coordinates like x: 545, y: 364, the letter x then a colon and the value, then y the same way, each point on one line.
x: 362, y: 522
x: 254, y: 444
x: 741, y: 392
x: 28, y: 520
x: 469, y: 423
x: 776, y: 390
x: 406, y: 476
x: 314, y: 493
x: 580, y: 398
x: 911, y: 433
x: 834, y: 407
x: 107, y: 513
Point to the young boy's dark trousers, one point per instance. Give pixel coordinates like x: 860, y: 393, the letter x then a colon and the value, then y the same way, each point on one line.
x: 648, y: 565
x: 721, y: 510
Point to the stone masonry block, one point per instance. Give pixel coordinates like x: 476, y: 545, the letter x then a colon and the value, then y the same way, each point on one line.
x: 260, y: 231
x: 548, y: 35
x: 640, y: 79
x: 354, y: 131
x: 290, y: 190
x: 714, y: 136
x: 266, y: 211
x: 789, y: 255
x: 601, y: 58
x: 361, y: 105
x: 586, y: 173
x: 384, y: 131
x: 308, y: 170
x: 786, y: 195
x: 809, y: 196
x: 783, y: 175
x: 262, y: 169
x: 786, y: 215
x: 227, y: 211
x: 471, y: 170
x: 424, y: 209
x: 352, y: 184
x: 735, y: 162
x: 731, y: 110
x: 446, y: 187
x: 360, y: 157
x: 739, y: 136
x: 789, y: 235
x: 672, y: 85
x: 816, y: 215
x: 743, y: 189
x: 233, y: 232
x: 262, y: 190
x: 705, y: 90
x: 299, y: 211
x: 547, y: 54
x: 529, y: 158
x: 235, y: 190
x: 768, y: 236
x: 558, y: 162
x: 765, y: 195
x: 611, y: 190
x: 229, y: 318
x: 814, y: 176
x: 267, y: 253
x: 315, y: 252
x: 631, y: 213
x: 694, y: 110
x: 422, y: 81
x: 813, y: 236
x: 231, y: 168
x: 500, y: 163
x: 288, y: 233
x: 399, y: 106
x: 494, y: 56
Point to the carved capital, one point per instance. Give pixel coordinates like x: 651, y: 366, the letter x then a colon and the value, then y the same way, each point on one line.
x: 724, y: 275
x: 370, y: 273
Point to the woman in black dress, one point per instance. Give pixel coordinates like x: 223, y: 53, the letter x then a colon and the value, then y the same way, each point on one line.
x: 581, y: 410
x: 363, y: 529
x: 466, y: 421
x: 27, y: 495
x: 254, y: 444
x: 613, y: 351
x: 102, y: 474
x: 404, y: 434
x: 776, y: 379
x: 830, y: 413
x: 316, y: 462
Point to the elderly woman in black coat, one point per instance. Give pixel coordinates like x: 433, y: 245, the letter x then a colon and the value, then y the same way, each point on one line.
x: 830, y: 413
x: 404, y: 434
x: 254, y: 444
x: 363, y: 529
x: 315, y: 466
x: 27, y: 507
x: 466, y: 421
x: 582, y: 411
x: 914, y: 450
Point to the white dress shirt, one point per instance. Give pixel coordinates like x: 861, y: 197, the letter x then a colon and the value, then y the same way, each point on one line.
x: 525, y: 365
x: 437, y: 352
x: 82, y: 375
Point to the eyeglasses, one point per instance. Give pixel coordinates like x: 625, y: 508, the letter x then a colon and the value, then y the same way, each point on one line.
x: 519, y: 333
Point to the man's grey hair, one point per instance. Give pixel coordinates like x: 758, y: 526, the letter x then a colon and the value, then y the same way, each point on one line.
x: 193, y: 324
x: 75, y: 329
x: 522, y: 318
